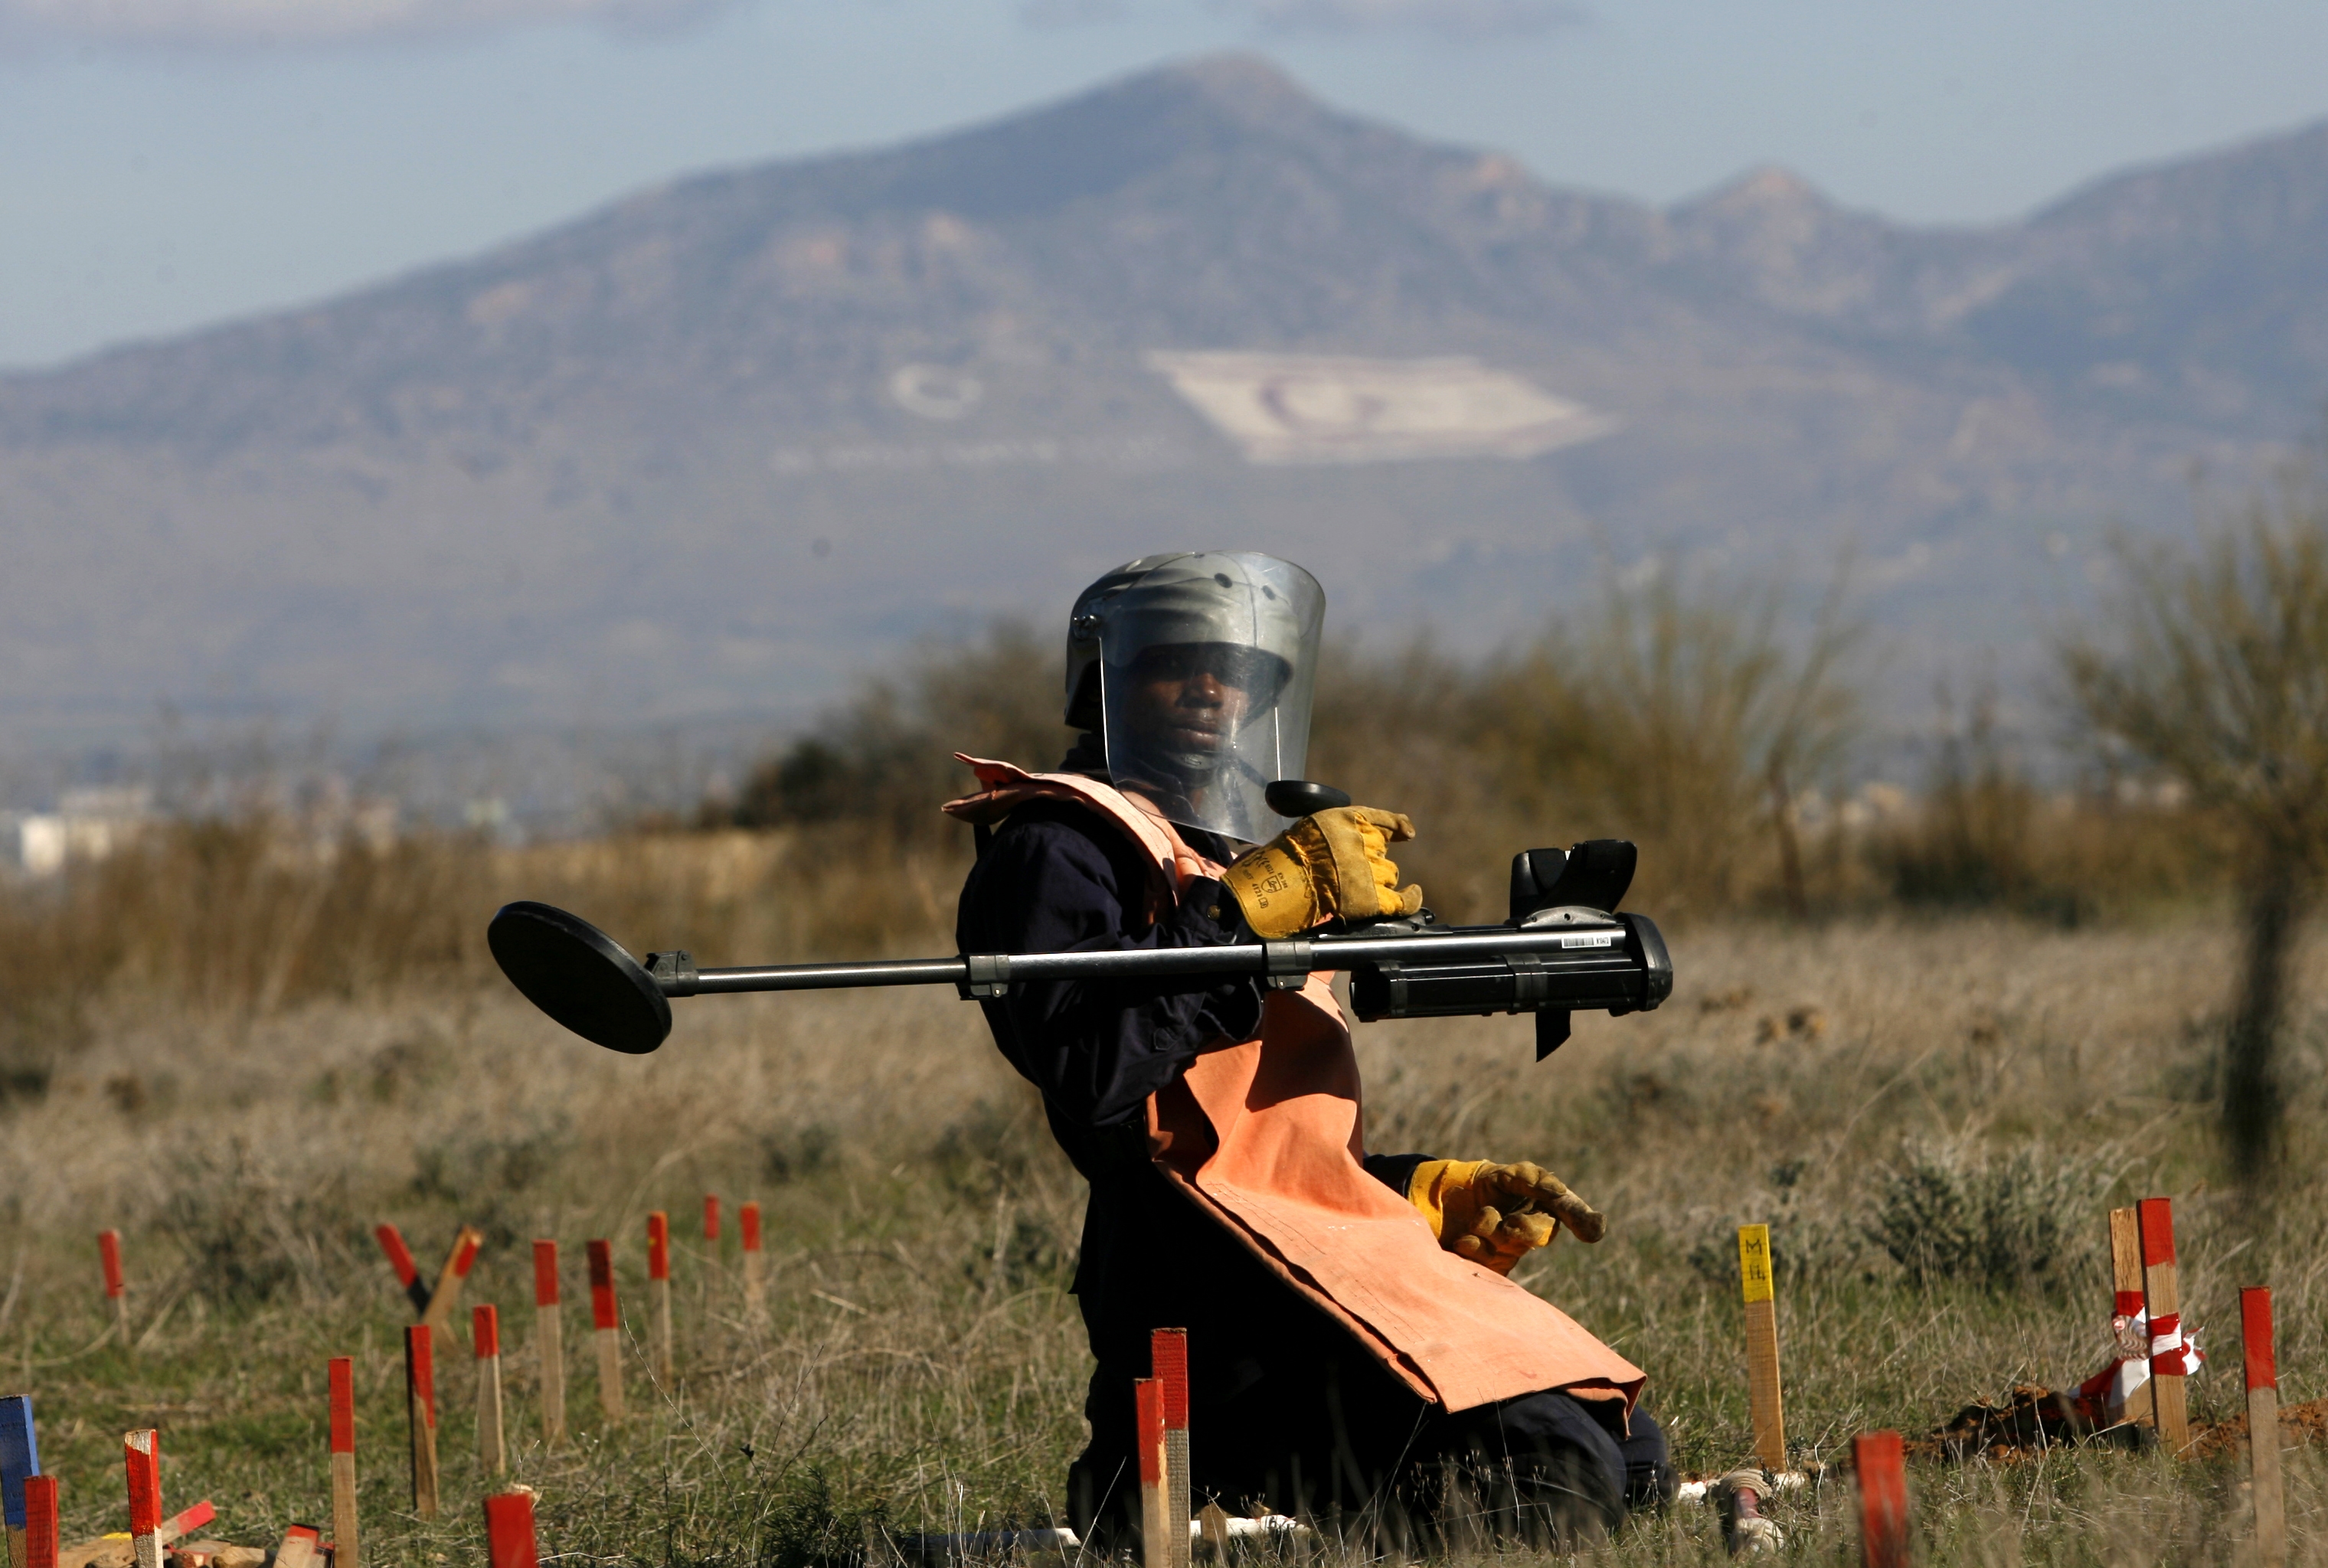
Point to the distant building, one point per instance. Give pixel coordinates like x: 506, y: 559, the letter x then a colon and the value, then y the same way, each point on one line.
x: 88, y: 824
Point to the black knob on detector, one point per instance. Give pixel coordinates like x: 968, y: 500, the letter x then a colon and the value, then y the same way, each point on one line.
x: 1297, y: 797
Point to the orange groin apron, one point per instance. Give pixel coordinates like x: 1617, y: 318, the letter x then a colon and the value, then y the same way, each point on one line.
x: 1266, y: 1136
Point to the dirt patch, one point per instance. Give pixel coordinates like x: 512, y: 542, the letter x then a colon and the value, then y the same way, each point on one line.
x: 2302, y: 1425
x: 2033, y: 1419
x: 2036, y: 1418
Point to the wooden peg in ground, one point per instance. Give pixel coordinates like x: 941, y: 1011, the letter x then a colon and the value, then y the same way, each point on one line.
x: 41, y: 1539
x: 748, y: 1222
x: 607, y: 1329
x: 408, y: 1273
x: 1155, y: 1496
x: 2168, y: 1396
x: 492, y: 1451
x: 710, y: 1219
x: 2270, y: 1500
x: 1758, y: 1286
x: 1213, y: 1530
x: 2126, y: 1284
x: 659, y: 1293
x: 298, y: 1549
x: 186, y: 1521
x: 446, y: 1298
x: 1167, y: 1360
x: 1737, y: 1500
x: 1880, y: 1464
x: 117, y: 1290
x: 20, y: 1462
x: 142, y: 1453
x: 549, y: 1345
x: 420, y: 1409
x: 510, y: 1541
x: 345, y: 1552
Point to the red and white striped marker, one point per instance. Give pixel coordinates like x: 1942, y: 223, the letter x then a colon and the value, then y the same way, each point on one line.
x: 446, y: 1298
x: 142, y: 1452
x: 40, y: 1543
x: 748, y: 1222
x: 2168, y: 1367
x: 658, y: 1292
x: 492, y: 1451
x: 344, y: 1551
x: 408, y: 1273
x: 108, y: 1255
x: 1155, y: 1493
x: 711, y: 1218
x: 420, y: 1408
x: 298, y: 1548
x: 509, y: 1530
x: 549, y: 1344
x: 2263, y: 1427
x: 1883, y: 1468
x: 1168, y: 1359
x: 607, y: 1328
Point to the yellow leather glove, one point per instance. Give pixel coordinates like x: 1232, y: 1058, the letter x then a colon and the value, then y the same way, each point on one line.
x: 1328, y: 866
x: 1495, y: 1215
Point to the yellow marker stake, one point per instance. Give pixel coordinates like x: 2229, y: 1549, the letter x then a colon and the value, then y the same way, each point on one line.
x: 1762, y: 1346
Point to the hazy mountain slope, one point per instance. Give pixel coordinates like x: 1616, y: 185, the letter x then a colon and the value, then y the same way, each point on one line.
x: 711, y: 448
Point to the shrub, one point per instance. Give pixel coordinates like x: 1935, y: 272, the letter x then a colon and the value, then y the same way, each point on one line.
x: 2008, y: 1222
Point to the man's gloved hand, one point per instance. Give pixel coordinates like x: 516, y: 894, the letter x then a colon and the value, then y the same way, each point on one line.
x: 1326, y: 867
x: 1495, y: 1215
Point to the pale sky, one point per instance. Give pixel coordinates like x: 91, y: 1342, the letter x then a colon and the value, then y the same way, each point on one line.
x: 164, y: 163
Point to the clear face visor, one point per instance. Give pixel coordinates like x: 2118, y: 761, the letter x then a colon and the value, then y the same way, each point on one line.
x: 1208, y: 668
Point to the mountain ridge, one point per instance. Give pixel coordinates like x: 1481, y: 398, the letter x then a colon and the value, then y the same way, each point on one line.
x: 712, y: 445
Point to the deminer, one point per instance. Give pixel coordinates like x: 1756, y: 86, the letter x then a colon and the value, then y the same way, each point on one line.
x: 1355, y: 1347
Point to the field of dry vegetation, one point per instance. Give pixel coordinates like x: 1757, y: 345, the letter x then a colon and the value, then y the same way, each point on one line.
x: 1930, y: 1051
x: 1933, y: 1117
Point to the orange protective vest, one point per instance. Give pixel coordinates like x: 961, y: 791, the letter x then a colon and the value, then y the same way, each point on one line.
x: 1266, y: 1135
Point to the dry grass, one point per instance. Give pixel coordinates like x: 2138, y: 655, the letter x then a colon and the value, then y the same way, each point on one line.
x: 920, y: 1367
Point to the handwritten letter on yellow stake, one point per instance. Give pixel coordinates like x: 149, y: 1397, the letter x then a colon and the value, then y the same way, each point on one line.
x: 1762, y: 1346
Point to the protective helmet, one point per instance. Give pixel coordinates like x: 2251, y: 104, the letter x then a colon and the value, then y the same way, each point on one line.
x: 1197, y: 669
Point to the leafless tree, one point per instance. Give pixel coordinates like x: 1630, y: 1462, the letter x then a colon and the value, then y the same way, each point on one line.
x: 2210, y: 667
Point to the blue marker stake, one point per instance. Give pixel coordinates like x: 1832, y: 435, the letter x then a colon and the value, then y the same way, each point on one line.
x: 20, y: 1456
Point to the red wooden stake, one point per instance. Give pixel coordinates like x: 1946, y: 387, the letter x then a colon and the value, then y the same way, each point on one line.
x: 298, y: 1546
x: 658, y: 1292
x: 420, y: 1406
x: 142, y: 1452
x: 1155, y: 1496
x: 492, y: 1451
x: 2263, y: 1427
x: 747, y: 1219
x: 606, y: 1325
x: 549, y: 1344
x: 41, y: 1545
x: 344, y: 1550
x: 1883, y: 1499
x: 186, y: 1521
x: 408, y: 1273
x: 108, y: 1254
x: 509, y: 1531
x: 711, y: 1218
x: 445, y: 1300
x: 2169, y: 1400
x: 1167, y: 1358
